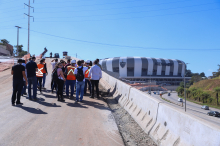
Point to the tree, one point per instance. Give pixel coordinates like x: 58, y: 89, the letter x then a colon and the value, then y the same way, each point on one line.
x: 202, y: 74
x: 19, y: 51
x: 180, y: 90
x: 187, y: 92
x: 217, y: 90
x: 205, y: 96
x: 4, y: 41
x: 196, y: 78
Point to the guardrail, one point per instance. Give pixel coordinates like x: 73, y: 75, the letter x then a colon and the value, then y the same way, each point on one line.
x: 166, y: 124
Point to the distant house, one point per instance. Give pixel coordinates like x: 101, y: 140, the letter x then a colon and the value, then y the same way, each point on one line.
x: 4, y: 51
x: 210, y: 77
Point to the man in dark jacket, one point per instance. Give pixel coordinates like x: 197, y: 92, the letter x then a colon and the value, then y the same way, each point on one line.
x: 18, y: 72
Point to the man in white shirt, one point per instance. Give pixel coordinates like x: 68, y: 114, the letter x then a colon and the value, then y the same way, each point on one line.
x: 79, y: 72
x: 96, y: 74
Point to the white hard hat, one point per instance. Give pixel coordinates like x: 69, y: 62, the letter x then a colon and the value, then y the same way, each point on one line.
x: 73, y: 61
x: 87, y: 61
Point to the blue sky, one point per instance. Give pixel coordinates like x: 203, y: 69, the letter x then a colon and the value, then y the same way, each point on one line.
x: 187, y: 30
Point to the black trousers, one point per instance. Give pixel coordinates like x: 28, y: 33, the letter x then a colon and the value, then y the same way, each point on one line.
x: 95, y: 83
x: 39, y: 81
x: 17, y: 88
x: 60, y: 84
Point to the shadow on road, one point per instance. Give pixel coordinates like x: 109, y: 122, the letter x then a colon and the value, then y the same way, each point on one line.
x: 95, y: 105
x: 78, y: 105
x: 32, y: 110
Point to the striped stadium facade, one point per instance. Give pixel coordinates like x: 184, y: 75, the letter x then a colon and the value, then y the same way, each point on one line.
x: 143, y: 67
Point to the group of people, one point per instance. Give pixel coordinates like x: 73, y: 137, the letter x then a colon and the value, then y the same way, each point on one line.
x: 77, y: 75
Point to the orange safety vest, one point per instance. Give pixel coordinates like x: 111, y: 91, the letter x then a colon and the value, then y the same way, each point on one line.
x: 39, y: 73
x: 87, y: 72
x: 44, y: 71
x: 70, y: 73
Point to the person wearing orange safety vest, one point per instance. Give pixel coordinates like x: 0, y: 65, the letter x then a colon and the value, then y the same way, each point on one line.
x: 39, y: 74
x: 71, y: 78
x: 44, y: 72
x: 89, y: 65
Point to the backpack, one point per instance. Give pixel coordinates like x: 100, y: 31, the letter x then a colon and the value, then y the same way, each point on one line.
x: 55, y: 76
x: 80, y: 75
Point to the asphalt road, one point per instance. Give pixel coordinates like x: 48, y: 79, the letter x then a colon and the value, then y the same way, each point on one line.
x: 191, y: 108
x: 48, y: 122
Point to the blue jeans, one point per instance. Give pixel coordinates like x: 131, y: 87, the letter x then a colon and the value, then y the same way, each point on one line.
x: 72, y: 84
x: 44, y: 79
x: 80, y: 88
x: 24, y: 87
x: 87, y: 82
x: 32, y: 80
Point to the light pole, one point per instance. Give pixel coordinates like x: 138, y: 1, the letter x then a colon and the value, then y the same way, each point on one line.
x: 17, y: 36
x: 184, y: 82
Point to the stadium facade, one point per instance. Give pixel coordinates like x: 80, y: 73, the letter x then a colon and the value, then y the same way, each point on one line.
x: 170, y: 71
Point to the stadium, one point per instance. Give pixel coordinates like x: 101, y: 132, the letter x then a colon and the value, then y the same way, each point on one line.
x: 159, y: 70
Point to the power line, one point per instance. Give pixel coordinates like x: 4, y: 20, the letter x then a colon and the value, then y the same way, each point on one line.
x: 124, y: 18
x: 124, y: 46
x: 133, y: 12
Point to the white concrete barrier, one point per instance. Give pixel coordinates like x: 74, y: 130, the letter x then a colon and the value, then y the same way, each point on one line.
x: 145, y: 113
x: 174, y: 127
x: 166, y: 125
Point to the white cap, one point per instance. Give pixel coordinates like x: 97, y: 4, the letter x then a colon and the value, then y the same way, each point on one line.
x: 73, y: 61
x: 87, y: 61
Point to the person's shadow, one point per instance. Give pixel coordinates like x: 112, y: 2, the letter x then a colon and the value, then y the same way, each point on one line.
x: 32, y: 110
x: 77, y: 105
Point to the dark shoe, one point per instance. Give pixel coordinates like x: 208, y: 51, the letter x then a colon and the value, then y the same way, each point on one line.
x: 13, y: 104
x: 81, y: 100
x: 98, y: 97
x: 30, y: 99
x: 91, y: 97
x: 21, y: 94
x: 58, y: 98
x: 77, y: 100
x: 62, y: 100
x: 35, y: 99
x: 25, y: 93
x: 19, y: 103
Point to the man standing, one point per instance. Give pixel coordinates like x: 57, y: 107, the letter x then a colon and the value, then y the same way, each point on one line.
x: 95, y: 74
x: 80, y: 80
x: 44, y: 72
x: 31, y: 67
x: 71, y: 78
x: 68, y: 63
x: 53, y: 85
x: 23, y: 92
x: 18, y: 72
x: 98, y: 63
x: 87, y: 77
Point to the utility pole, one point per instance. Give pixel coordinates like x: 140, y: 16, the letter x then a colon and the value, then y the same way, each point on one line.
x: 29, y: 6
x: 17, y: 36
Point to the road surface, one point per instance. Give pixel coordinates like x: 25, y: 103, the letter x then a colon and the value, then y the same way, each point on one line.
x: 48, y: 122
x: 191, y: 107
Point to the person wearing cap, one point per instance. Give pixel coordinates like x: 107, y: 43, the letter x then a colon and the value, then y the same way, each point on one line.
x: 31, y: 67
x: 18, y: 72
x: 39, y: 73
x: 45, y: 73
x: 68, y: 63
x: 87, y: 77
x: 70, y: 78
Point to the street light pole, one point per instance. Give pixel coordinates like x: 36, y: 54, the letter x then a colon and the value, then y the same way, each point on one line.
x: 185, y: 85
x: 17, y: 36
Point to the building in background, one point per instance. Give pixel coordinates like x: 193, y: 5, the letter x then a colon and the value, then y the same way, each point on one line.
x: 4, y: 51
x: 159, y: 70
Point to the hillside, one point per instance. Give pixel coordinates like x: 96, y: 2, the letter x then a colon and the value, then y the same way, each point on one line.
x: 208, y: 84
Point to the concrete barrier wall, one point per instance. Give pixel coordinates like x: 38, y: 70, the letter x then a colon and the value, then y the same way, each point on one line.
x: 174, y: 127
x: 166, y: 125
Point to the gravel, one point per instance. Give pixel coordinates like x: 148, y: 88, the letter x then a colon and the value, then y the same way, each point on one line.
x: 131, y: 132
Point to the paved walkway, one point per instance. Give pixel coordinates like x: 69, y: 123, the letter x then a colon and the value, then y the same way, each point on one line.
x: 49, y: 122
